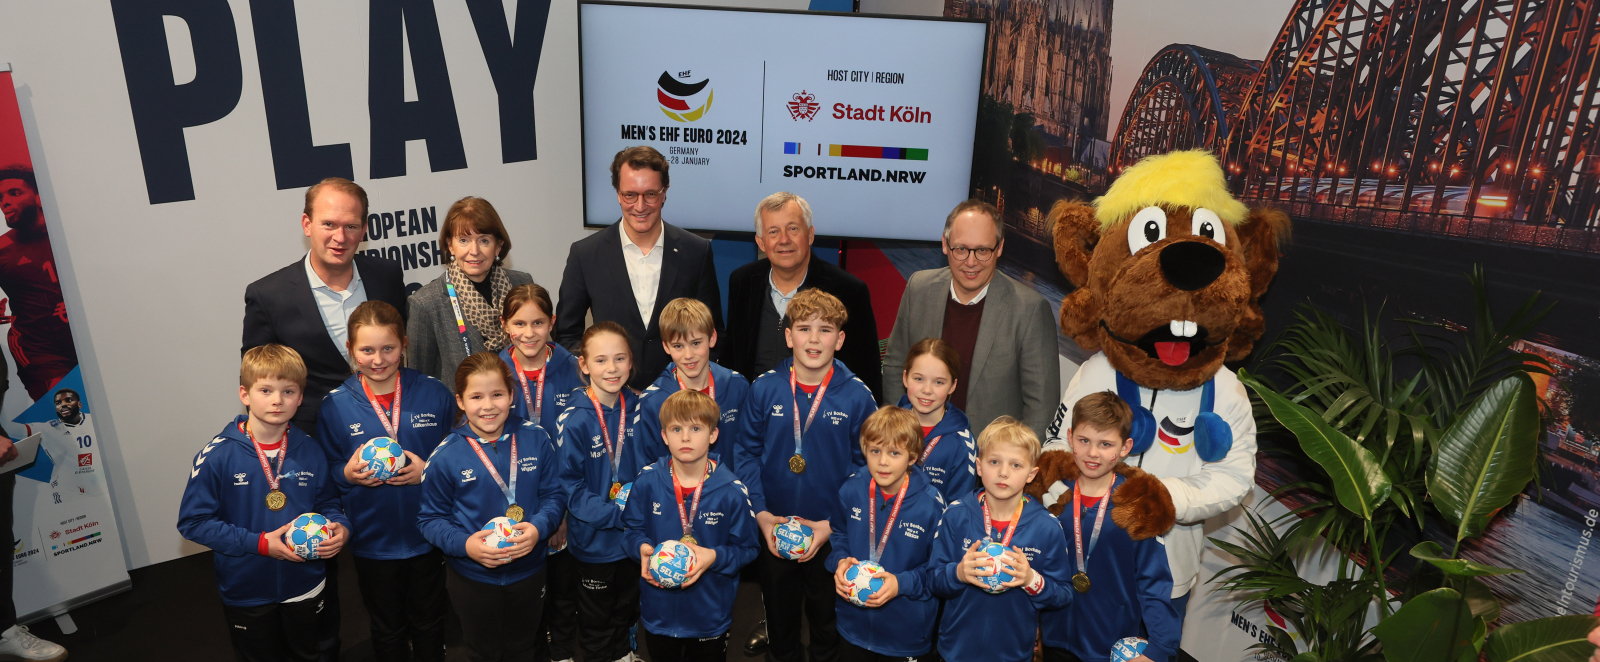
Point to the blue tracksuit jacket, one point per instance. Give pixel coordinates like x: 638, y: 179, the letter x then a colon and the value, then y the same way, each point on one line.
x: 724, y: 523
x: 732, y: 388
x: 383, y: 519
x: 980, y: 626
x: 953, y: 464
x: 224, y: 507
x: 459, y: 497
x: 832, y: 448
x: 560, y: 381
x: 904, y: 626
x: 594, y: 525
x: 1131, y: 583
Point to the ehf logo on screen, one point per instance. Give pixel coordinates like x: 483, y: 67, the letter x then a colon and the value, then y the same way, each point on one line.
x: 677, y: 97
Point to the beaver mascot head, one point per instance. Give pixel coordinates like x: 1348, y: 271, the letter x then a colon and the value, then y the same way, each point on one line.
x: 1169, y: 269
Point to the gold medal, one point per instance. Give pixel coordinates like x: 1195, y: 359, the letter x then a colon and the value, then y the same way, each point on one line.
x: 797, y: 464
x: 689, y: 540
x: 514, y: 513
x: 616, y: 488
x: 1080, y: 582
x: 276, y: 500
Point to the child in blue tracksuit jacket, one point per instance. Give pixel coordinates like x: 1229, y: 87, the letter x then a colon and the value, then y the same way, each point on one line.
x: 596, y: 431
x: 270, y: 602
x: 801, y: 480
x: 688, y: 333
x: 903, y: 626
x: 949, y: 454
x: 406, y: 614
x: 528, y: 318
x: 1130, y: 583
x: 496, y: 591
x: 978, y: 625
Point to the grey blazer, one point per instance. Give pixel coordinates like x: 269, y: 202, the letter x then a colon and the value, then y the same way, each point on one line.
x: 433, y: 343
x: 1015, y: 369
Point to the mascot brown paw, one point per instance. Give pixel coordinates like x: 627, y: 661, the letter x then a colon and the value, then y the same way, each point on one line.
x: 1141, y: 505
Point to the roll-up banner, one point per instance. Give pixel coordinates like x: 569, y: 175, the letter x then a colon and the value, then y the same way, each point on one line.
x: 65, y: 546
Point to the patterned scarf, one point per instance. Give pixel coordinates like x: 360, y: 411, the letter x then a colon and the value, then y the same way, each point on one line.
x: 482, y: 315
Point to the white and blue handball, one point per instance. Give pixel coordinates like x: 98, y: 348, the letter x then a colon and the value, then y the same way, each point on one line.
x: 383, y: 457
x: 304, y: 534
x: 672, y: 563
x: 995, y: 583
x: 501, y: 531
x: 794, y: 539
x: 1128, y: 648
x: 862, y: 582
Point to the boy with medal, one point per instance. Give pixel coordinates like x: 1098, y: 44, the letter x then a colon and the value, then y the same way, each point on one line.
x: 888, y: 513
x: 1115, y: 514
x: 978, y: 623
x: 796, y: 446
x: 688, y: 333
x: 708, y: 511
x: 245, y: 490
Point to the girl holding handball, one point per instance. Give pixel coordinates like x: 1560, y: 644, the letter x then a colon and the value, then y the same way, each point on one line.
x: 947, y: 446
x: 889, y: 511
x: 382, y: 409
x: 488, y: 501
x: 596, y: 435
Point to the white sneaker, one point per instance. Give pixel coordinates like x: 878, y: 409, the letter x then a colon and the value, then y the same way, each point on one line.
x: 18, y: 645
x: 630, y: 657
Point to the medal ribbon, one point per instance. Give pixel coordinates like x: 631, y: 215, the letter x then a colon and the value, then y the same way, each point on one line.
x: 928, y: 451
x: 511, y: 491
x: 1077, y: 525
x: 687, y: 517
x: 537, y: 398
x: 872, y: 515
x: 391, y: 422
x: 461, y: 321
x: 605, y: 434
x: 711, y: 383
x: 272, y: 476
x: 816, y: 402
x: 988, y: 525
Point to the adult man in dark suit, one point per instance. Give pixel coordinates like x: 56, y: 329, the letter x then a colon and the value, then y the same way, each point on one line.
x: 306, y: 306
x: 626, y: 273
x: 757, y: 290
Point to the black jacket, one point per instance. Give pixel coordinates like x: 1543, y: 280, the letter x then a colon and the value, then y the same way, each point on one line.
x: 596, y: 280
x: 279, y: 308
x: 749, y: 289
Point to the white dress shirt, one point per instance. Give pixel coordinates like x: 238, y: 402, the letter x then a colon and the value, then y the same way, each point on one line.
x: 644, y: 271
x: 780, y: 299
x: 336, y: 307
x: 981, y: 293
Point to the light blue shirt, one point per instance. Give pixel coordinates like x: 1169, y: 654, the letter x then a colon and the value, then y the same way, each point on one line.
x: 780, y: 300
x: 336, y: 307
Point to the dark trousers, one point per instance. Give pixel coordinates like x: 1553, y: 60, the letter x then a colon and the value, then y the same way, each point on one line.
x: 1053, y: 654
x: 328, y: 620
x: 608, y: 604
x: 675, y: 649
x: 497, y: 621
x: 275, y: 632
x: 558, y: 629
x: 789, y: 588
x: 849, y: 652
x: 405, y: 598
x: 8, y: 609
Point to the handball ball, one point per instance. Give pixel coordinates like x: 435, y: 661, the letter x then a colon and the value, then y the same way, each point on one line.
x: 862, y: 583
x: 303, y: 536
x: 672, y: 563
x: 621, y: 496
x: 994, y: 550
x: 501, y: 531
x: 1127, y: 649
x: 794, y: 539
x: 383, y: 456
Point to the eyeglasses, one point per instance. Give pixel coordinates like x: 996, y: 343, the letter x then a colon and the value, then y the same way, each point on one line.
x: 650, y: 197
x: 983, y: 254
x: 484, y: 241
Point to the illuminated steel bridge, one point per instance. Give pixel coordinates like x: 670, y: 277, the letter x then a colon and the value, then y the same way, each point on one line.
x: 1469, y: 118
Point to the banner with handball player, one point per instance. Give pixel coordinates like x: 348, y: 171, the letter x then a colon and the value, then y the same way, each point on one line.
x: 65, y: 545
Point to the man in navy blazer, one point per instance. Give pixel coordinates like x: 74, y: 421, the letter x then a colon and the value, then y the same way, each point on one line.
x: 306, y: 305
x: 628, y: 272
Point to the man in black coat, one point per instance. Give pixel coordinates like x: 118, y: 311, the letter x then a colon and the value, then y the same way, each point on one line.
x: 627, y: 273
x: 306, y: 305
x: 759, y: 292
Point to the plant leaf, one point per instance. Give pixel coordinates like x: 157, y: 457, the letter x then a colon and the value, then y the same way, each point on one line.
x: 1358, y: 480
x: 1431, y: 552
x: 1487, y: 456
x: 1554, y: 639
x: 1482, y: 601
x: 1434, y: 626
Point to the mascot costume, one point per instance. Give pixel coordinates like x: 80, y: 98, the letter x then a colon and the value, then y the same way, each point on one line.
x: 1169, y: 268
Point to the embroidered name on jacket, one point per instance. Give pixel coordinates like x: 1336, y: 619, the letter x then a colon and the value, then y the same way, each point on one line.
x: 424, y: 420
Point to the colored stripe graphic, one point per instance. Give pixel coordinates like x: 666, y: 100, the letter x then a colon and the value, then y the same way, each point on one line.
x: 868, y: 152
x: 92, y: 535
x: 791, y: 148
x: 675, y: 104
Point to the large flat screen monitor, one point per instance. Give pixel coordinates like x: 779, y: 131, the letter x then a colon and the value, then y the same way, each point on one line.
x: 869, y: 118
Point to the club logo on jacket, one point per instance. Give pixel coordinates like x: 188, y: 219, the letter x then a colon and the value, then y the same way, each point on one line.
x: 466, y: 476
x: 912, y: 530
x: 355, y: 429
x: 424, y: 420
x: 239, y: 479
x: 730, y: 415
x: 836, y: 416
x: 711, y: 518
x: 655, y: 508
x: 777, y: 410
x: 528, y: 464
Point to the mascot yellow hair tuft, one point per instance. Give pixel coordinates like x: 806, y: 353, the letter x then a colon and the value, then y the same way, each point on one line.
x: 1189, y: 178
